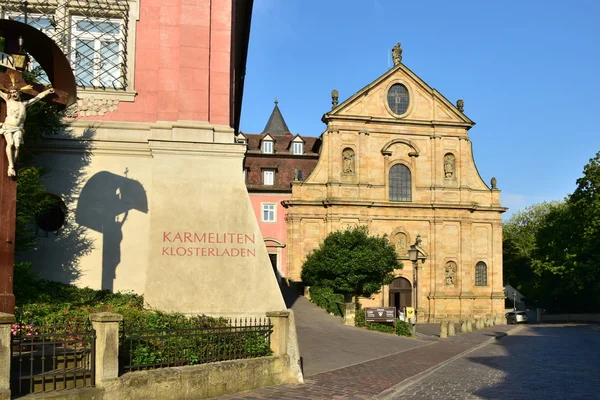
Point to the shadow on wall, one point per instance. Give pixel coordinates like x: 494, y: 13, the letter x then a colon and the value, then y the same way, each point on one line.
x: 104, y: 204
x: 66, y: 246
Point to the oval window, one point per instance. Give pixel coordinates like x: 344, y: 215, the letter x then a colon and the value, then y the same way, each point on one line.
x: 52, y: 218
x: 398, y: 99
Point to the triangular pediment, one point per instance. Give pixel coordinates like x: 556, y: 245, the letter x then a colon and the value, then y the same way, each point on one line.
x: 425, y: 103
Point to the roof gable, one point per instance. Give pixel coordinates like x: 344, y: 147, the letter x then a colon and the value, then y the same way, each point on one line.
x: 425, y: 103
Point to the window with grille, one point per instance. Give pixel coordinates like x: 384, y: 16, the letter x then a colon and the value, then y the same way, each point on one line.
x: 97, y: 55
x: 298, y: 147
x: 398, y: 99
x: 267, y: 146
x: 268, y: 212
x: 400, y: 183
x: 268, y: 177
x: 480, y: 274
x: 92, y: 33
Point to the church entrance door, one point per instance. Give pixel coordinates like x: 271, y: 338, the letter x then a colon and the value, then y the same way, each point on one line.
x: 400, y: 293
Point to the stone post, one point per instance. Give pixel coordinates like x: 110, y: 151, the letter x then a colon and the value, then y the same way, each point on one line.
x: 443, y: 329
x: 451, y: 329
x: 469, y: 325
x: 307, y: 292
x: 281, y: 328
x: 106, y: 325
x: 6, y: 321
x: 463, y: 326
x: 349, y: 313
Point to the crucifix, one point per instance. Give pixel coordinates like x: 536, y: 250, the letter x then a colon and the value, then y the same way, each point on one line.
x: 12, y: 115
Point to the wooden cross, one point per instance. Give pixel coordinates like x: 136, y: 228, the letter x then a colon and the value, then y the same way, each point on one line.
x: 8, y: 193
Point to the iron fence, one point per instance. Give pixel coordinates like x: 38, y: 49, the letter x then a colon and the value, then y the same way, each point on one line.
x: 52, y: 357
x: 191, y: 341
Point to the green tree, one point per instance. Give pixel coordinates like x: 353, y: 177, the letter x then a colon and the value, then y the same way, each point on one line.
x: 521, y: 251
x: 569, y: 248
x: 551, y: 250
x: 351, y: 263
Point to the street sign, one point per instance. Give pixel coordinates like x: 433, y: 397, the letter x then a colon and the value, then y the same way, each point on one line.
x: 380, y: 314
x: 410, y: 313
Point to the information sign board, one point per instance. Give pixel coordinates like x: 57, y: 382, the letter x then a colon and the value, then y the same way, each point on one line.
x: 380, y: 314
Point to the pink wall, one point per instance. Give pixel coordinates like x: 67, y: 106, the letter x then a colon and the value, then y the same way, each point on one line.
x: 276, y: 230
x: 182, y: 63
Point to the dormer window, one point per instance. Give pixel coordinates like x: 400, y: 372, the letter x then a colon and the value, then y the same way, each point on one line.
x: 298, y: 148
x: 267, y: 146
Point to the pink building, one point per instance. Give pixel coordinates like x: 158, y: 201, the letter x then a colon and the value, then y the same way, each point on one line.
x: 160, y: 87
x: 275, y: 158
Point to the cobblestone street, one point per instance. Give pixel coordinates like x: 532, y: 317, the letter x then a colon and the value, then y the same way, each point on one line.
x: 538, y: 362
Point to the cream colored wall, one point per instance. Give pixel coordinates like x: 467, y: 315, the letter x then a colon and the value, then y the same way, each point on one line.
x: 181, y: 177
x: 458, y: 218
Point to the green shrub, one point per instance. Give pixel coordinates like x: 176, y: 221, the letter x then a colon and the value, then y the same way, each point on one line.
x: 403, y: 329
x: 325, y: 298
x: 57, y: 305
x: 400, y: 328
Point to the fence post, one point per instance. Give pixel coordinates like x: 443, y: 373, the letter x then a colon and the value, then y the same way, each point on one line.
x: 6, y: 321
x: 281, y: 327
x: 106, y: 325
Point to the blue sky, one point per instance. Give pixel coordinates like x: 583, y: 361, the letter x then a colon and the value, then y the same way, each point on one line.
x: 528, y: 71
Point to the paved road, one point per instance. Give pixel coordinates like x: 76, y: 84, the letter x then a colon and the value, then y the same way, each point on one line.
x: 538, y: 362
x: 368, y: 379
x: 326, y: 344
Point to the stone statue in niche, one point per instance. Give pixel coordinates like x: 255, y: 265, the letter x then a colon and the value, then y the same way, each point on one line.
x: 451, y: 274
x: 12, y: 128
x: 401, y: 247
x: 449, y: 166
x: 397, y: 53
x: 348, y: 161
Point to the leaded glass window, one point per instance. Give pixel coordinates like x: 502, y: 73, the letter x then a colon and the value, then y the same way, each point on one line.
x: 400, y: 183
x: 92, y: 33
x: 480, y: 274
x: 398, y: 99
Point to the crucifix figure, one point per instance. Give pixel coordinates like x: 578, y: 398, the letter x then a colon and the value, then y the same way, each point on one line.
x: 12, y: 128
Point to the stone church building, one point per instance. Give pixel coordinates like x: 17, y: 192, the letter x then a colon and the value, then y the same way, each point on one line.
x: 396, y: 156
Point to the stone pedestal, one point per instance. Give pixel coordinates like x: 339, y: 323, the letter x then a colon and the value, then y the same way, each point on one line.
x: 207, y: 255
x: 6, y: 321
x: 106, y: 326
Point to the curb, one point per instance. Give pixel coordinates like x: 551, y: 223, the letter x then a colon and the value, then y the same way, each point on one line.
x: 396, y: 389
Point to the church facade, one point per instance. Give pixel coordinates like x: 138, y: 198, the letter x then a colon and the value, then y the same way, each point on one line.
x: 396, y: 157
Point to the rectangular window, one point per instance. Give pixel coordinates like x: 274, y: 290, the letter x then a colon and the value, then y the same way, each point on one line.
x: 267, y: 147
x: 97, y: 55
x: 268, y: 177
x: 298, y: 147
x: 268, y: 212
x: 92, y: 35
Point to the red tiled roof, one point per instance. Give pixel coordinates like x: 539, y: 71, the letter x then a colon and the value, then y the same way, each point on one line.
x: 282, y: 161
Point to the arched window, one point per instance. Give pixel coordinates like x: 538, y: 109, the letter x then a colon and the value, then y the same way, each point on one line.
x: 480, y: 274
x: 400, y: 183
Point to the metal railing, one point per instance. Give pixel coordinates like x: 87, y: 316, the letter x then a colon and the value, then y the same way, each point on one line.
x: 191, y: 341
x: 52, y: 357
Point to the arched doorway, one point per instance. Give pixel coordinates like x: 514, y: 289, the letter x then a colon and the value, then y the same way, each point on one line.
x: 400, y: 293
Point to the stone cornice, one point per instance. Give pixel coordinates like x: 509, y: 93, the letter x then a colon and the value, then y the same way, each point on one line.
x: 393, y: 121
x: 371, y: 204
